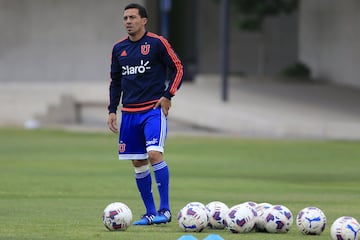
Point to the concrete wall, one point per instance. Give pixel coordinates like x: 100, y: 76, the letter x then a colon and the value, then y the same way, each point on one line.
x: 71, y: 40
x: 329, y: 39
x: 53, y: 40
x: 280, y: 39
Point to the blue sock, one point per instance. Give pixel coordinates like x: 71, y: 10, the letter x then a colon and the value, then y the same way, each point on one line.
x: 161, y: 172
x: 144, y: 181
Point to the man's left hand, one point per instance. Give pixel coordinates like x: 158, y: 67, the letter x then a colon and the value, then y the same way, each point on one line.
x: 165, y: 105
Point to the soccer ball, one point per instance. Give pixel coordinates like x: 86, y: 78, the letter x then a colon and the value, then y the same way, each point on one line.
x: 193, y: 217
x: 311, y: 221
x: 278, y: 219
x: 240, y: 218
x: 117, y: 216
x: 347, y: 228
x: 216, y: 212
x: 260, y: 221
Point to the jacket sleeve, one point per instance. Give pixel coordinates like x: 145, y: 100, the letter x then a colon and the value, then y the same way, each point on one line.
x: 175, y: 66
x: 115, y: 84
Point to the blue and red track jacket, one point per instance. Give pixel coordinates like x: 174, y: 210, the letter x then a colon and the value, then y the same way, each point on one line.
x: 139, y: 72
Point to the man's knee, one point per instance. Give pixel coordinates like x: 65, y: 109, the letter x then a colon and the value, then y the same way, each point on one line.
x: 142, y: 169
x: 155, y: 157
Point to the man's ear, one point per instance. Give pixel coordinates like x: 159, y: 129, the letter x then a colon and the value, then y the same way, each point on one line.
x: 145, y: 20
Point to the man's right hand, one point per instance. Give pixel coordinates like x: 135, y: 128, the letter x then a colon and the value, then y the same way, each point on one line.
x: 112, y: 123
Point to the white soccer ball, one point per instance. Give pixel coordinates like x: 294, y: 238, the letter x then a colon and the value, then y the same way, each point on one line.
x: 311, y: 221
x: 278, y: 219
x: 259, y: 220
x: 216, y: 212
x: 240, y: 218
x: 346, y: 227
x: 193, y: 217
x: 117, y: 216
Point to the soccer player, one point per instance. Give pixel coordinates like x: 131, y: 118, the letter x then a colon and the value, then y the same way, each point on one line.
x: 145, y: 74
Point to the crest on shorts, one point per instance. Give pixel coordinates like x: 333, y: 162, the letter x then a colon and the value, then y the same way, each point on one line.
x: 122, y: 147
x: 145, y: 49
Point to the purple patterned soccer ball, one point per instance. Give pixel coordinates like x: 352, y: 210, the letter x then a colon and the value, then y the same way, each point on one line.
x: 346, y: 228
x: 261, y: 209
x: 193, y: 217
x: 240, y: 218
x: 278, y: 219
x: 216, y: 212
x: 311, y: 221
x: 117, y: 216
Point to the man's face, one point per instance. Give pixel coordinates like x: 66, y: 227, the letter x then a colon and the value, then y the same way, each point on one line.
x: 133, y: 22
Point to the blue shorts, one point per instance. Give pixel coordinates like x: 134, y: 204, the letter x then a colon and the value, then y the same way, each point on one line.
x: 141, y: 133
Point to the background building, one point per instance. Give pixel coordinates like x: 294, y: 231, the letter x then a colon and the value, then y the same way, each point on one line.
x: 58, y: 40
x: 52, y: 40
x: 329, y: 38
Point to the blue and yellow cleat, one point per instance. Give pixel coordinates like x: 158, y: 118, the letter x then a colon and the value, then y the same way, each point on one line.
x: 145, y: 220
x: 163, y: 216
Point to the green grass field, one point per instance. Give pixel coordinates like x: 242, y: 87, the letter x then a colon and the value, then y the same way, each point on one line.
x: 55, y: 184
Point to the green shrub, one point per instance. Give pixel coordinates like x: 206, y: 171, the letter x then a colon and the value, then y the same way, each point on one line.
x: 297, y: 70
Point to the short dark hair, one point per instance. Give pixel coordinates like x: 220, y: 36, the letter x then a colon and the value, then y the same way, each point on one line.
x: 142, y: 10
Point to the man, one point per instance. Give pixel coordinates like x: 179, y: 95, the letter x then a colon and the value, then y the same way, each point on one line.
x: 140, y: 65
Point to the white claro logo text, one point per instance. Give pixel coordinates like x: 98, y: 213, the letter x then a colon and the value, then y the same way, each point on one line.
x: 130, y: 70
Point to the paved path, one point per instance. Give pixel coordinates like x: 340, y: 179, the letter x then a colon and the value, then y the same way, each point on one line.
x: 256, y: 108
x: 272, y: 109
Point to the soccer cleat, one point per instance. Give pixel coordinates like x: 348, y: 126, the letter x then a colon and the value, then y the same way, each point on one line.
x: 145, y: 220
x: 163, y: 216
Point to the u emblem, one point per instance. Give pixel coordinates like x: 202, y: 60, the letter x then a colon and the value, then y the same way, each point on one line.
x: 122, y: 147
x: 145, y: 49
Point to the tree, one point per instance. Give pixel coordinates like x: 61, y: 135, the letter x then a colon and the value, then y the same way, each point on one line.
x: 252, y: 14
